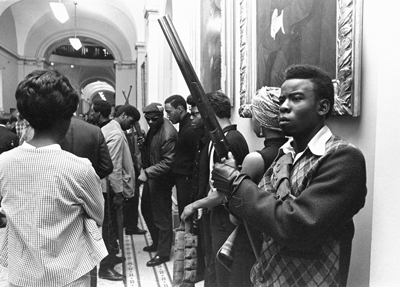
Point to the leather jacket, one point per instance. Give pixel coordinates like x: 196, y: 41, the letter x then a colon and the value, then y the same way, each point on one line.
x: 162, y: 151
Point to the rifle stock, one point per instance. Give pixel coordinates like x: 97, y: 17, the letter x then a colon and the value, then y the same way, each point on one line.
x: 207, y: 114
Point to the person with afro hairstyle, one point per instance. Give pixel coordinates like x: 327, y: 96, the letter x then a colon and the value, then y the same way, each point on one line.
x: 120, y: 183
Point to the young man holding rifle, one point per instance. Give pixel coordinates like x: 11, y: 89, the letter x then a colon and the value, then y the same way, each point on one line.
x: 306, y: 200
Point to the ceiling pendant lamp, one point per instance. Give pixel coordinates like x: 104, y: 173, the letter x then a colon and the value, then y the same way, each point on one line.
x: 59, y: 11
x: 75, y: 42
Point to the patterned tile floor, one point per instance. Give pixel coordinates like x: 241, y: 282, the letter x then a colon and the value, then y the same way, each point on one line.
x: 137, y: 273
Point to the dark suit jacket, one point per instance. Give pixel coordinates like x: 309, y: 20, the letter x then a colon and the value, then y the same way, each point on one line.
x: 86, y: 140
x: 8, y: 139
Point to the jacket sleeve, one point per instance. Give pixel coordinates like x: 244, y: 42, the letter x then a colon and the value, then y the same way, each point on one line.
x: 336, y: 193
x: 114, y: 144
x: 105, y: 165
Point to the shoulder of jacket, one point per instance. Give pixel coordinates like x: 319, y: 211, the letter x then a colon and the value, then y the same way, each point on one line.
x: 336, y: 143
x: 168, y: 127
x: 110, y: 127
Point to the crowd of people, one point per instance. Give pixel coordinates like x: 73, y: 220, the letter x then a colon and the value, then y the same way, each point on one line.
x: 278, y: 216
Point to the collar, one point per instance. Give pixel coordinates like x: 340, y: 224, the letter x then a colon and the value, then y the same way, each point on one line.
x: 104, y: 123
x: 316, y: 144
x: 113, y: 124
x: 186, y: 121
x: 229, y: 128
x: 48, y: 147
x: 117, y: 124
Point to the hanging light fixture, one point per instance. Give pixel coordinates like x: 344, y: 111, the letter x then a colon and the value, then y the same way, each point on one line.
x: 59, y: 11
x: 75, y: 42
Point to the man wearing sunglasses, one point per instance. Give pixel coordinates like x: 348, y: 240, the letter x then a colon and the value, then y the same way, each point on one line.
x: 156, y: 174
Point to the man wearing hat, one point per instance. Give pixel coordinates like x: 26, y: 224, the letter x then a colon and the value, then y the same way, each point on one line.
x: 156, y: 174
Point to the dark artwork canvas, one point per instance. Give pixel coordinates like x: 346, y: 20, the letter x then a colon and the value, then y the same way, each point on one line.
x: 210, y: 35
x: 294, y: 32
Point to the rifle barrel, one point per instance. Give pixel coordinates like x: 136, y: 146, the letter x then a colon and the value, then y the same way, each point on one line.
x: 210, y: 121
x: 196, y: 89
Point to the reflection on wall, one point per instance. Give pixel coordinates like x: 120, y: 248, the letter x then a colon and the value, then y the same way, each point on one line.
x: 210, y: 68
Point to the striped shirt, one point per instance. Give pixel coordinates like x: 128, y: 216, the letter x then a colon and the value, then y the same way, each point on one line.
x: 54, y: 205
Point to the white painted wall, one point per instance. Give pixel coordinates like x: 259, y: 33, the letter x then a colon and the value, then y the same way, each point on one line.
x: 376, y: 252
x: 383, y: 43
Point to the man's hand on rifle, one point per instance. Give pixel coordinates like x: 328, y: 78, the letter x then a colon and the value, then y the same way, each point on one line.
x: 226, y: 177
x: 140, y: 141
x: 140, y: 133
x: 188, y: 212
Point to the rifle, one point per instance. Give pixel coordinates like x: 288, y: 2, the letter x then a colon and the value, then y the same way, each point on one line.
x: 127, y: 97
x: 139, y: 133
x: 220, y: 143
x: 207, y: 114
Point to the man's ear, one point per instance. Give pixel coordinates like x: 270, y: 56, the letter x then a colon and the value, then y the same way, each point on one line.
x: 324, y: 106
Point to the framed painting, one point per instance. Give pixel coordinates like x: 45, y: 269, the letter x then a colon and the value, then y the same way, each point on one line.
x: 210, y: 42
x: 325, y: 33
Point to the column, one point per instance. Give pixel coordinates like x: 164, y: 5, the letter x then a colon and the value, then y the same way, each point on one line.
x: 154, y: 65
x: 141, y: 79
x: 124, y: 79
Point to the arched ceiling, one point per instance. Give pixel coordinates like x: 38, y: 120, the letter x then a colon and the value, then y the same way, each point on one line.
x: 93, y: 90
x: 30, y: 31
x: 114, y: 23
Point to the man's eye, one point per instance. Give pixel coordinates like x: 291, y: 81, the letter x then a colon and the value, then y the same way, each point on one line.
x: 296, y: 98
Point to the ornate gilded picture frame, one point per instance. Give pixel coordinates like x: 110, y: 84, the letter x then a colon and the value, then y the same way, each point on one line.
x: 275, y: 34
